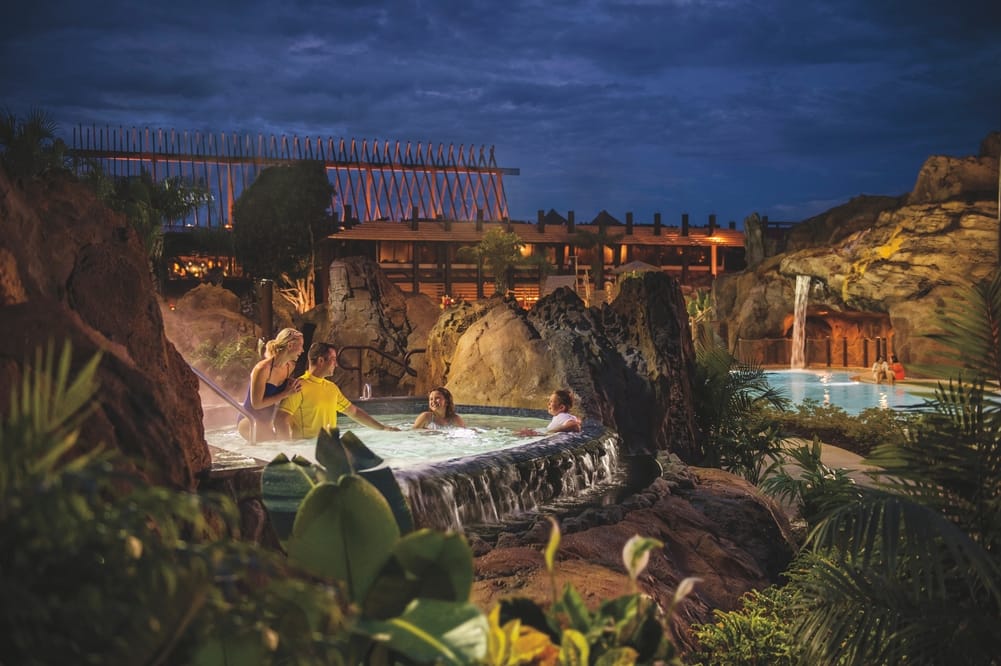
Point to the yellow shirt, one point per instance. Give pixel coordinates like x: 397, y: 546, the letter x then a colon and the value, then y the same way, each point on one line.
x: 314, y: 407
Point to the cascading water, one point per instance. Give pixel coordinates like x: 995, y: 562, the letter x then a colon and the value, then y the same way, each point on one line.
x: 493, y: 487
x: 798, y: 357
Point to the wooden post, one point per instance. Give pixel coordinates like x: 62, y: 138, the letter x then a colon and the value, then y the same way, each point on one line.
x: 266, y: 294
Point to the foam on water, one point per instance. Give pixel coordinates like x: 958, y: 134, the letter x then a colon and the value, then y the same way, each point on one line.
x: 407, y: 448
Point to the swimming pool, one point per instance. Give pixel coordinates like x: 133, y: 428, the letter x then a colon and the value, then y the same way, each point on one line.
x: 836, y: 387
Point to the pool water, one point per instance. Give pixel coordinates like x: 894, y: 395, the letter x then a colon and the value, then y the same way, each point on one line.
x: 407, y: 448
x: 835, y: 387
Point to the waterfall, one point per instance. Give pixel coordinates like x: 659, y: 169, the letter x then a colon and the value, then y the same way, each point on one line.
x: 493, y: 487
x: 798, y: 359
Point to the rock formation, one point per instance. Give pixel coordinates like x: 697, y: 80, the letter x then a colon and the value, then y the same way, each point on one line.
x: 714, y: 526
x: 879, y: 266
x: 629, y: 362
x: 365, y: 309
x: 70, y: 269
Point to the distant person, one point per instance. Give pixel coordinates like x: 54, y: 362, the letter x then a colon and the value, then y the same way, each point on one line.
x: 271, y: 381
x: 881, y: 370
x: 897, y: 368
x: 559, y: 406
x: 315, y: 406
x: 441, y: 412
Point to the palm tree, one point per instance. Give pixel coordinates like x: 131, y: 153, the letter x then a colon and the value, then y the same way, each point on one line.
x: 597, y: 241
x: 500, y: 251
x: 147, y: 205
x: 911, y: 571
x: 727, y: 394
x: 29, y: 147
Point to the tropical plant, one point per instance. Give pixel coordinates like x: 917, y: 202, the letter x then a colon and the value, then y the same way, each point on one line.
x: 148, y: 205
x: 625, y: 630
x: 597, y: 241
x: 277, y: 220
x: 499, y: 251
x: 727, y: 395
x: 29, y: 147
x: 98, y: 566
x: 758, y: 633
x: 911, y: 572
x: 700, y: 316
x: 800, y: 477
x: 858, y: 433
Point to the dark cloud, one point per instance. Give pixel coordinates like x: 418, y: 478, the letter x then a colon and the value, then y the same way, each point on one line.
x: 700, y: 106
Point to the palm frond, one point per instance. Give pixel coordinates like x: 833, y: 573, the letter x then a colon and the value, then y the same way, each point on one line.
x: 912, y: 542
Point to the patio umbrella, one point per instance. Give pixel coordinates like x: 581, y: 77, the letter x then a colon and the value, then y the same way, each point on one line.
x: 635, y: 267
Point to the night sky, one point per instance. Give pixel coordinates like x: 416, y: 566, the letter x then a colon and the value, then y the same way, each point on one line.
x: 785, y: 108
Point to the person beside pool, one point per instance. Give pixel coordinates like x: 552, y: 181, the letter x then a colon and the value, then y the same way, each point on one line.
x: 441, y: 411
x: 559, y: 406
x: 881, y: 371
x: 897, y: 369
x: 271, y: 381
x: 317, y: 403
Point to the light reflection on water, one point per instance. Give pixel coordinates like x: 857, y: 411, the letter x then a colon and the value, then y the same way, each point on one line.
x: 486, y: 432
x: 836, y: 387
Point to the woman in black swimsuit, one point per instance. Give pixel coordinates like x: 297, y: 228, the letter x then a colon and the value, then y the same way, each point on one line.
x: 270, y: 381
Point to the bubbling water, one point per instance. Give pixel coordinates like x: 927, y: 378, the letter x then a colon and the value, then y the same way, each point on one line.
x: 400, y: 450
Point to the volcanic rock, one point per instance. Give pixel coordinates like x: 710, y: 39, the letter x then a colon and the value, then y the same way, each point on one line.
x: 72, y: 270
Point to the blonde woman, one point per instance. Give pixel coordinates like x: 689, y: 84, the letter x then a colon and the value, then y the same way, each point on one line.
x: 271, y: 380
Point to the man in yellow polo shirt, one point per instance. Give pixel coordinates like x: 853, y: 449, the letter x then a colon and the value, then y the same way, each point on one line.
x: 316, y: 404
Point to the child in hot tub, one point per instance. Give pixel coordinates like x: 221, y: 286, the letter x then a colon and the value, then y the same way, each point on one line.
x: 559, y: 405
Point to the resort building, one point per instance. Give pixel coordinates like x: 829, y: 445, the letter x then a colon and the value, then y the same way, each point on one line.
x: 410, y: 207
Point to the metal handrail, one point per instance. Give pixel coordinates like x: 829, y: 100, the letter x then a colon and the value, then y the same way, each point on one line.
x: 229, y: 399
x: 405, y: 363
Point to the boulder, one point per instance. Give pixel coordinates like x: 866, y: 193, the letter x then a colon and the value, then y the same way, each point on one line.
x: 630, y: 363
x: 365, y: 309
x: 714, y: 526
x: 71, y: 269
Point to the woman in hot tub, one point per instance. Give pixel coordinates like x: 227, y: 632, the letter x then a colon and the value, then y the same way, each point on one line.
x: 441, y: 412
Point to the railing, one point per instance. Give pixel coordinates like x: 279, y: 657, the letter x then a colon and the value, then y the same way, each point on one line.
x: 405, y: 363
x: 229, y: 399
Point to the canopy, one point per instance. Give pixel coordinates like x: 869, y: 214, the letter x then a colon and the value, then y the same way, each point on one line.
x: 635, y: 267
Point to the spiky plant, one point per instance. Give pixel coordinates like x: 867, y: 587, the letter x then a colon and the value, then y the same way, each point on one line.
x: 911, y: 572
x: 29, y: 146
x: 727, y: 394
x: 98, y: 567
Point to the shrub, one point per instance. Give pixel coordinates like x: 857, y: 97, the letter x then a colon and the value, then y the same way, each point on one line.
x: 833, y: 425
x: 757, y: 633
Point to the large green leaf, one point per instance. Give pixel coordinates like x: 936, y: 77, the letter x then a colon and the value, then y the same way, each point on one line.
x: 433, y: 631
x: 425, y: 564
x: 346, y: 454
x: 284, y: 484
x: 344, y: 531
